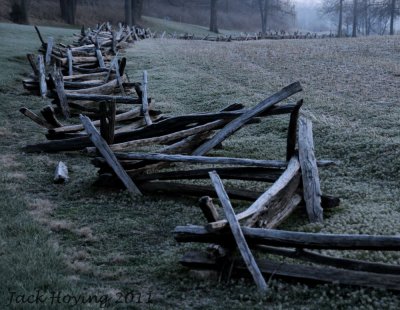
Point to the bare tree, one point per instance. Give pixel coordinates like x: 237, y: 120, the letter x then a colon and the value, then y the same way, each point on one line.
x: 340, y: 25
x: 214, y: 16
x: 355, y: 18
x: 379, y: 17
x: 361, y: 16
x: 392, y: 16
x: 263, y: 5
x: 341, y: 13
x: 280, y: 10
x: 68, y: 10
x: 128, y: 12
x: 19, y: 11
x: 367, y: 19
x: 137, y: 10
x: 133, y: 11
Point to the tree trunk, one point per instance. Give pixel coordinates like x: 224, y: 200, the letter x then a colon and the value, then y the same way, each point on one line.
x: 367, y: 17
x: 264, y: 8
x: 339, y: 34
x: 63, y: 8
x: 128, y: 12
x: 19, y: 11
x: 392, y: 15
x: 72, y: 12
x: 214, y: 16
x: 68, y: 11
x: 137, y: 9
x: 355, y: 18
x: 24, y: 10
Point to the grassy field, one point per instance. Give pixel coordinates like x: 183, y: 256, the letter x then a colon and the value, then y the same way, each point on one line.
x: 161, y: 25
x: 76, y: 239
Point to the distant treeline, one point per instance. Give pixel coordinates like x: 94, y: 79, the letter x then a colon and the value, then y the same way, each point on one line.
x: 247, y: 15
x: 355, y: 17
x: 244, y: 15
x: 351, y: 17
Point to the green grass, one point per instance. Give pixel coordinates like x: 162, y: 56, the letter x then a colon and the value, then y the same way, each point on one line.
x: 30, y: 259
x: 76, y: 238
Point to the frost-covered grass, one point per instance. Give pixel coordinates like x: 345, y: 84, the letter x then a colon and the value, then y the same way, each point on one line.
x: 81, y: 239
x: 161, y: 25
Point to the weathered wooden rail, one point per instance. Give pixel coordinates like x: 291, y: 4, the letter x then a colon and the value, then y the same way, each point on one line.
x: 272, y: 35
x: 88, y: 77
x: 255, y: 229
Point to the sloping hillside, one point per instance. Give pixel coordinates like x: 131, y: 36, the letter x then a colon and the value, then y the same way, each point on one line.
x: 81, y: 240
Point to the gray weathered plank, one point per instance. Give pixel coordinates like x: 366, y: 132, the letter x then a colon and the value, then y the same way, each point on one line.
x: 239, y: 122
x: 31, y: 59
x: 61, y: 173
x: 49, y: 49
x: 309, y: 171
x: 100, y: 58
x: 165, y: 138
x: 42, y: 77
x: 119, y: 78
x: 78, y: 127
x: 300, y: 273
x: 34, y: 117
x: 344, y: 263
x: 291, y: 239
x: 62, y: 97
x: 238, y: 234
x: 109, y: 156
x: 285, y: 181
x: 111, y: 67
x: 114, y: 43
x: 203, y: 159
x: 70, y: 62
x: 145, y: 103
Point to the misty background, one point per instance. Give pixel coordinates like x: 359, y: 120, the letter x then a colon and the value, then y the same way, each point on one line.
x: 320, y: 16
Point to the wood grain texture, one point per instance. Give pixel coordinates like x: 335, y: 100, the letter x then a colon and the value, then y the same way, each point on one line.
x: 262, y: 201
x: 282, y: 238
x: 145, y: 104
x: 236, y: 230
x: 299, y: 273
x: 109, y: 156
x: 240, y: 121
x: 309, y: 171
x: 42, y: 77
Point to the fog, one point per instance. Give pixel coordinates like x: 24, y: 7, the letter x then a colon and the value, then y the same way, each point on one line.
x: 240, y: 16
x: 310, y: 18
x: 234, y: 15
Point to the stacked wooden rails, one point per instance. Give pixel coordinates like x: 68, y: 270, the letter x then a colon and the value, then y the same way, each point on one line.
x: 247, y: 36
x: 185, y: 139
x: 88, y: 76
x: 295, y: 184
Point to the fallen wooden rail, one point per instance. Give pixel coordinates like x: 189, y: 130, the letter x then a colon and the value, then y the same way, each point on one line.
x: 297, y: 273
